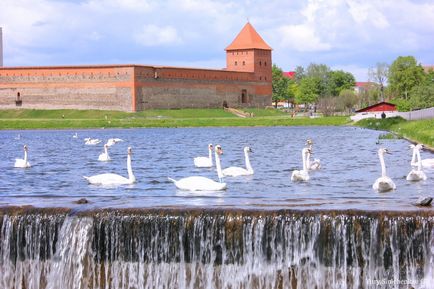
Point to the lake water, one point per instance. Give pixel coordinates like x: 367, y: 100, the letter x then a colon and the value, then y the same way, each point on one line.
x: 348, y: 155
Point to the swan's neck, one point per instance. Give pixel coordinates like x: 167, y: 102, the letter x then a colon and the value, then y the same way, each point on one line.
x: 106, y: 150
x: 383, y: 165
x: 308, y: 159
x: 248, y: 165
x: 218, y: 166
x: 304, y: 156
x: 419, y: 161
x: 25, y: 156
x: 413, y: 157
x: 131, y: 176
x: 210, y: 154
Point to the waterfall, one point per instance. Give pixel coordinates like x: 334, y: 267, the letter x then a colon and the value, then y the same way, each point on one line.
x: 117, y: 249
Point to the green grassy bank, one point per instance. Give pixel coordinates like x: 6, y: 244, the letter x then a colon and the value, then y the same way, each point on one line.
x: 418, y: 131
x: 65, y: 119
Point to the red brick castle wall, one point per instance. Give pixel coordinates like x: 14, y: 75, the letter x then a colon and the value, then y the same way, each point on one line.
x: 138, y: 87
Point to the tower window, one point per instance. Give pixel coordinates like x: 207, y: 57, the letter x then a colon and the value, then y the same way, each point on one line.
x: 244, y: 63
x: 236, y: 63
x: 265, y: 63
x: 260, y: 63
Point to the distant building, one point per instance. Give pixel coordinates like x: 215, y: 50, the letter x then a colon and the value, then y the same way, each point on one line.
x: 362, y: 87
x: 246, y: 82
x: 289, y: 74
x: 376, y: 111
x: 427, y: 68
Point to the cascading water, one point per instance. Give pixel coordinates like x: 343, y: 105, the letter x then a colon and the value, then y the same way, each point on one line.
x: 215, y: 249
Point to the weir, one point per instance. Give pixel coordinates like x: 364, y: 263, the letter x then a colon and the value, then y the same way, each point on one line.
x: 221, y: 248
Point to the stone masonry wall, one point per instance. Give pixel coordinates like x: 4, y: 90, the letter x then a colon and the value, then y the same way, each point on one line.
x: 129, y: 88
x: 108, y: 88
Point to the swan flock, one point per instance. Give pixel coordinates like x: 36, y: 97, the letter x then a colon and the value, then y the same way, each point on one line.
x: 200, y: 183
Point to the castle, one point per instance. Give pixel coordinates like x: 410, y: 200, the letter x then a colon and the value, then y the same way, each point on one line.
x: 245, y: 82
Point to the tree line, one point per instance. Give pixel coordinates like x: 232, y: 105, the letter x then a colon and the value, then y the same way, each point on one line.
x: 317, y: 87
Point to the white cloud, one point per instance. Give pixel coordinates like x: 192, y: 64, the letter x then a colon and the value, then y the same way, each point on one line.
x: 364, y: 12
x: 333, y: 32
x: 360, y: 73
x: 301, y: 38
x: 152, y: 35
x: 136, y: 6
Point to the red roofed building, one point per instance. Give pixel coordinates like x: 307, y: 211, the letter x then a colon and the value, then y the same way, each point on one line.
x: 364, y: 86
x: 379, y: 107
x: 376, y: 111
x: 249, y: 53
x: 289, y: 74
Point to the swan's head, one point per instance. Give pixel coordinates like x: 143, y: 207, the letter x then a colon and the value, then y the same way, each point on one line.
x: 105, y: 146
x: 248, y: 150
x: 309, y: 142
x: 210, y: 147
x: 218, y: 149
x: 420, y: 146
x: 130, y: 151
x: 383, y: 151
x: 25, y: 147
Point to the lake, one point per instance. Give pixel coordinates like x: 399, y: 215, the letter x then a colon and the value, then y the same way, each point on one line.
x: 348, y: 156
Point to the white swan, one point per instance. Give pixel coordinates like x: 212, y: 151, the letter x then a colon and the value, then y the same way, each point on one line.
x: 114, y: 179
x: 204, y: 162
x: 112, y: 141
x: 303, y: 174
x: 316, y: 163
x: 383, y: 183
x: 416, y: 174
x: 91, y: 141
x: 426, y: 163
x: 104, y: 157
x: 237, y: 171
x: 75, y: 135
x: 22, y: 163
x: 197, y: 183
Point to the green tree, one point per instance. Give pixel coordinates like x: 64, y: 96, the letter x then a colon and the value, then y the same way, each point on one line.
x: 340, y: 80
x: 422, y: 96
x: 320, y: 72
x: 348, y: 98
x: 379, y: 74
x: 404, y: 74
x: 279, y: 85
x: 308, y: 91
x: 291, y: 89
x: 299, y: 74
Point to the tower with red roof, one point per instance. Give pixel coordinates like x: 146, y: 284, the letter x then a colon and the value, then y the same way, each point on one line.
x: 250, y: 53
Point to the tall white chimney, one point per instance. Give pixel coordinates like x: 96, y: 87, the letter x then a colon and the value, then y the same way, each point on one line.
x: 1, y: 47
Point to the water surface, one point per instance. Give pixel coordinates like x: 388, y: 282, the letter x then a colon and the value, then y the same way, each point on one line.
x: 348, y: 155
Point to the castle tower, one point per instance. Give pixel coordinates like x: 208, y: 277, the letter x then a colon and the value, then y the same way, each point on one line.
x: 249, y: 52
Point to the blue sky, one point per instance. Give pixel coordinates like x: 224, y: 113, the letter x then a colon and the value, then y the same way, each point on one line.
x: 352, y: 35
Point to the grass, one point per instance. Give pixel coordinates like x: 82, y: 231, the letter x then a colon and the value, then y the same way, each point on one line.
x: 65, y: 119
x: 418, y: 131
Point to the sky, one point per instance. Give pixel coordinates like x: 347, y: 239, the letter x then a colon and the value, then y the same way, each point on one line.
x: 351, y: 35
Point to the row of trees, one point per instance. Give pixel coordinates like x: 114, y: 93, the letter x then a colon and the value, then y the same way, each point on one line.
x: 404, y: 82
x: 315, y: 85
